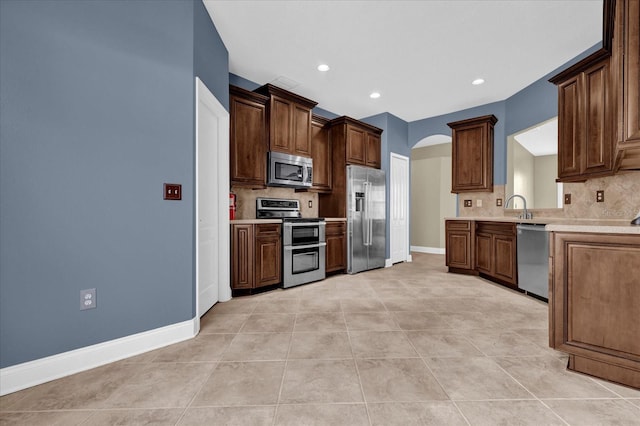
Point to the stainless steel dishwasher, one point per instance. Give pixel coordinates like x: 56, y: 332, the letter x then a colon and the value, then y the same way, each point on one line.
x: 533, y: 259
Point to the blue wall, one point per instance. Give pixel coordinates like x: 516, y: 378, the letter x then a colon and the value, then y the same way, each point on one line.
x: 394, y: 139
x: 96, y: 112
x: 534, y: 104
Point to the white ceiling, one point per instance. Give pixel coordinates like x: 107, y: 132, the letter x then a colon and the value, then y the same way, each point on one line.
x: 420, y: 55
x: 541, y: 139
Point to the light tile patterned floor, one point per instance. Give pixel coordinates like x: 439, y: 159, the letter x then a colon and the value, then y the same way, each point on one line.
x: 407, y: 345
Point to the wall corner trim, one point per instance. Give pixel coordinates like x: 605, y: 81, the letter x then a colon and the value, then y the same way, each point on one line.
x: 32, y: 373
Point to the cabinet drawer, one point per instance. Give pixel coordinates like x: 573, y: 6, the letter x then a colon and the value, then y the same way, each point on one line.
x: 496, y: 228
x: 335, y: 229
x: 458, y: 225
x: 267, y: 229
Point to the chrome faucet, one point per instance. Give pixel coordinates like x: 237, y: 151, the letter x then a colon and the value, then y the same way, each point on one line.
x: 525, y: 213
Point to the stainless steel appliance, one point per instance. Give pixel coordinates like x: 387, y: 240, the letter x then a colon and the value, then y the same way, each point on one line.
x: 289, y: 170
x: 303, y: 241
x: 533, y: 259
x: 366, y: 230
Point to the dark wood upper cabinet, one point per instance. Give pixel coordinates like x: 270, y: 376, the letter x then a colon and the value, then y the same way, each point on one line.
x: 599, y: 101
x: 626, y: 57
x: 289, y: 118
x: 361, y: 141
x: 248, y: 138
x: 349, y: 145
x: 320, y: 153
x: 472, y: 154
x: 586, y: 119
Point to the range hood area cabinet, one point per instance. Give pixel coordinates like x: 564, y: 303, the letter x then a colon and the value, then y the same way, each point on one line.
x: 289, y: 120
x: 472, y: 154
x: 248, y: 138
x: 599, y: 101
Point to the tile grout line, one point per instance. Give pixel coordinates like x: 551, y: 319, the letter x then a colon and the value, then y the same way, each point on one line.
x: 284, y: 370
x: 355, y: 363
x: 406, y: 335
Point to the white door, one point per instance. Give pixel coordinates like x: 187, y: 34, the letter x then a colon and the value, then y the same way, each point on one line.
x: 399, y: 208
x: 212, y: 203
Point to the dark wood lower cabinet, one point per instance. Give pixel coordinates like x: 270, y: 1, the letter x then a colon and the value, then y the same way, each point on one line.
x: 460, y: 246
x: 594, y: 300
x: 256, y: 253
x: 496, y: 254
x: 336, y: 253
x: 482, y: 247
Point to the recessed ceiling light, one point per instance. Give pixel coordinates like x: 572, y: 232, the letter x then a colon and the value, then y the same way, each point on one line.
x: 477, y: 81
x: 374, y: 95
x: 323, y: 67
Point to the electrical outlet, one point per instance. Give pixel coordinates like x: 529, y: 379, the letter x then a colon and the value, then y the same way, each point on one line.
x: 600, y: 196
x: 88, y: 299
x: 468, y: 203
x: 478, y: 203
x: 172, y: 191
x: 310, y: 204
x: 498, y: 202
x: 567, y: 198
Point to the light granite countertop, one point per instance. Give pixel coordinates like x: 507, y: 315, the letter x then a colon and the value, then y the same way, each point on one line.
x: 561, y: 224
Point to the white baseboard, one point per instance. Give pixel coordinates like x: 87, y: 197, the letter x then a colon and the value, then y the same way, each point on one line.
x: 430, y: 250
x: 32, y: 373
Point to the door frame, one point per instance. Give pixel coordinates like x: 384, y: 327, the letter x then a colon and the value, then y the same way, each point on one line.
x: 407, y: 177
x: 202, y: 93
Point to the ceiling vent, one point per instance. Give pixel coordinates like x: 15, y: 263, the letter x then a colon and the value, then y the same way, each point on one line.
x: 285, y: 83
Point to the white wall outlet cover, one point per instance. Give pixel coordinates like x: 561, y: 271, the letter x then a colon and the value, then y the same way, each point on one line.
x: 479, y: 203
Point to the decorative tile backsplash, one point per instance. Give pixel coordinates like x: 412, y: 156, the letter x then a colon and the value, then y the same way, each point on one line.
x: 621, y: 200
x: 246, y: 200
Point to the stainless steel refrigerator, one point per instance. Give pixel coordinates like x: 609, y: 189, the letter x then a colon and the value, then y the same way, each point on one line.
x: 366, y: 230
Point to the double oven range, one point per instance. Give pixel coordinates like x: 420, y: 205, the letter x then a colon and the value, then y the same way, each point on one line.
x: 303, y: 241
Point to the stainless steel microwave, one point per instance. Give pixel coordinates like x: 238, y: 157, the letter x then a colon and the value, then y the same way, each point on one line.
x: 290, y: 170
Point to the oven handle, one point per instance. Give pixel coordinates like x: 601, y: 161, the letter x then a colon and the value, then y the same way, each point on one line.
x: 305, y: 246
x: 291, y: 225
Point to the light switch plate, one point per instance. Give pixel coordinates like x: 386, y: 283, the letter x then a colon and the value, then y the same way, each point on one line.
x: 567, y: 198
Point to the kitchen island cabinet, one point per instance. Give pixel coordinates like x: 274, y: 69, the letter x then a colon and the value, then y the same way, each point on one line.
x: 593, y: 303
x: 256, y: 252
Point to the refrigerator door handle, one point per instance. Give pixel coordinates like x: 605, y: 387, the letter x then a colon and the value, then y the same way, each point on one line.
x: 369, y: 219
x: 365, y: 215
